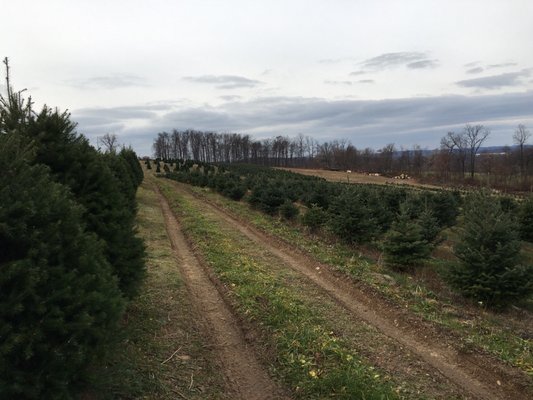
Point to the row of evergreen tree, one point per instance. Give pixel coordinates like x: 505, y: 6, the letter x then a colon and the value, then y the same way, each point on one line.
x: 69, y: 257
x: 406, y: 224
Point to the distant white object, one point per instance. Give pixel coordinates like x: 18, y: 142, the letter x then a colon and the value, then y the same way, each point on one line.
x: 349, y: 171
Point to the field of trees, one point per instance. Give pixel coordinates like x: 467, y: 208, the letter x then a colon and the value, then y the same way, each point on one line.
x: 406, y: 224
x: 450, y: 267
x: 207, y: 274
x: 461, y: 159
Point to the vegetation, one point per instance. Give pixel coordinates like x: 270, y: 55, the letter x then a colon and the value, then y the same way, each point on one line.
x: 59, y: 297
x: 525, y: 219
x: 405, y: 243
x: 474, y: 327
x: 352, y: 213
x: 69, y: 257
x: 460, y: 161
x: 490, y: 268
x: 161, y: 320
x: 309, y: 357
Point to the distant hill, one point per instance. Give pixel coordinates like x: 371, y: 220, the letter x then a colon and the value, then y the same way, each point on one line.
x: 482, y: 150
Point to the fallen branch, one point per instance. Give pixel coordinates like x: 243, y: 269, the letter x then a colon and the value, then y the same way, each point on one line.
x: 172, y: 355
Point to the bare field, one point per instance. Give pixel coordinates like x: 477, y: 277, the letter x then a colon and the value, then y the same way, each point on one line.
x: 356, y: 177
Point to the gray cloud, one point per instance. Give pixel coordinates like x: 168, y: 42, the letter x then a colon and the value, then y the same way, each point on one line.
x: 335, y: 60
x: 373, y: 123
x: 230, y: 97
x: 225, y: 81
x: 122, y: 113
x: 423, y: 64
x: 357, y: 73
x: 496, y: 81
x: 366, y: 81
x: 502, y: 65
x: 347, y: 83
x: 411, y: 59
x: 471, y: 64
x: 109, y: 82
x: 475, y: 70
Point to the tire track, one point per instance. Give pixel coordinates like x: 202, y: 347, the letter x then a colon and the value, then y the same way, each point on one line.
x: 247, y: 377
x: 475, y: 380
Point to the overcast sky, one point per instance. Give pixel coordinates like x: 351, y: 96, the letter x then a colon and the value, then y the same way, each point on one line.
x: 371, y: 71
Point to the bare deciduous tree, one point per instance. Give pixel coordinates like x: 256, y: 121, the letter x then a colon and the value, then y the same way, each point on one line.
x: 455, y: 144
x: 474, y: 135
x: 109, y: 142
x: 520, y: 137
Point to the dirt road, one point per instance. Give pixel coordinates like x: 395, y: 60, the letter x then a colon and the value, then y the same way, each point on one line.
x: 247, y: 377
x: 474, y: 375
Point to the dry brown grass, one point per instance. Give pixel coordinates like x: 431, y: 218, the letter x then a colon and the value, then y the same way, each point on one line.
x: 356, y: 177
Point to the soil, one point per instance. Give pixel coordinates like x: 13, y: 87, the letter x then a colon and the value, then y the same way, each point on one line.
x: 474, y: 375
x: 247, y: 378
x: 357, y: 177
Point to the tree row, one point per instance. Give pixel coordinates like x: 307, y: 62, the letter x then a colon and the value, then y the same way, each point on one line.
x: 69, y: 257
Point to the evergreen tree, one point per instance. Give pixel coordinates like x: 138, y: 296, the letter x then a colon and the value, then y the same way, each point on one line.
x: 490, y: 268
x: 271, y: 199
x: 96, y: 186
x: 134, y: 169
x: 59, y: 299
x: 404, y: 244
x: 351, y: 219
x: 315, y: 217
x: 288, y: 210
x: 430, y: 227
x: 525, y: 219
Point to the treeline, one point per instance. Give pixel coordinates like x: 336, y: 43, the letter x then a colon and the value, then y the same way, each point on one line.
x: 404, y: 223
x: 69, y: 257
x: 459, y: 160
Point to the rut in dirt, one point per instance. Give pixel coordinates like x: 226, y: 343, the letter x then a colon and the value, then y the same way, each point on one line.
x: 475, y: 380
x: 247, y: 378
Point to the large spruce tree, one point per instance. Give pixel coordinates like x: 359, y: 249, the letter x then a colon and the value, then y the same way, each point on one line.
x: 490, y: 268
x: 59, y: 298
x: 68, y: 251
x: 101, y: 183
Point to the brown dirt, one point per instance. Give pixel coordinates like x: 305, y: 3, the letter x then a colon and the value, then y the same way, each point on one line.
x: 477, y: 376
x: 356, y: 177
x: 246, y: 377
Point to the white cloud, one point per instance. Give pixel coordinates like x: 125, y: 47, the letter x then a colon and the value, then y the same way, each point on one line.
x: 225, y: 81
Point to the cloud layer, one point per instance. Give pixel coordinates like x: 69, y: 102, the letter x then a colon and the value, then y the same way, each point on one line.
x: 117, y: 81
x: 405, y: 121
x: 225, y: 81
x: 496, y: 81
x: 410, y: 59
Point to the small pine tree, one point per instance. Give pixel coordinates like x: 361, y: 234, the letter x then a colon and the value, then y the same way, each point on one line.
x: 288, y: 210
x: 315, y: 218
x: 430, y: 226
x: 351, y: 219
x: 271, y: 199
x: 404, y: 244
x: 490, y: 267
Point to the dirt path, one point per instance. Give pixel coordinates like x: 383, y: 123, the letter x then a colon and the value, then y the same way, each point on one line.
x: 475, y: 376
x: 246, y: 376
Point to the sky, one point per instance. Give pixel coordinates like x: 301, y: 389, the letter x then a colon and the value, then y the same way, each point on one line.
x: 373, y: 72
